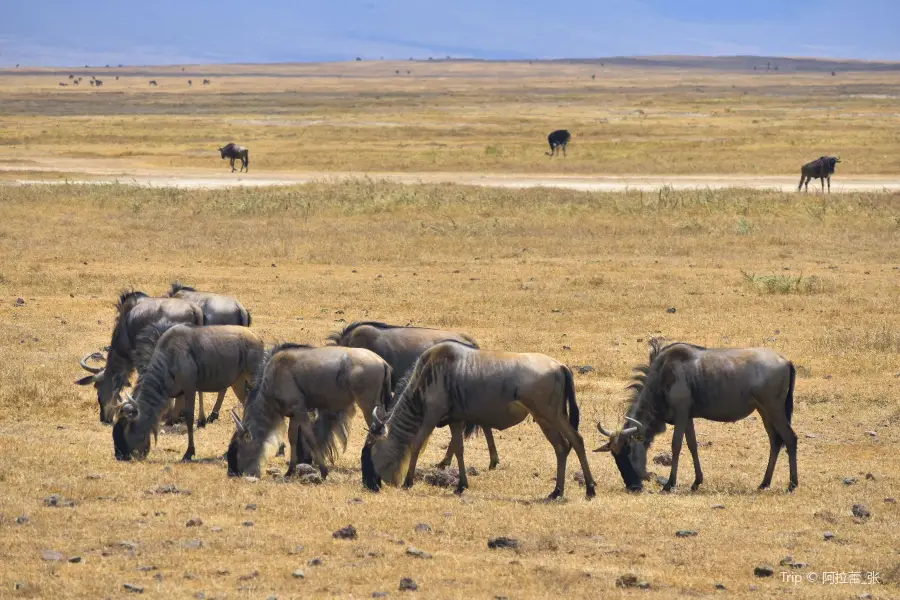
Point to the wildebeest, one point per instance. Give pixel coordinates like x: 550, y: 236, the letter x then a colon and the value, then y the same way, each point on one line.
x: 206, y: 82
x: 684, y: 382
x: 217, y: 310
x: 136, y: 311
x: 401, y: 347
x: 558, y: 139
x: 822, y: 168
x: 453, y: 383
x: 98, y: 82
x: 190, y: 83
x: 153, y: 82
x: 185, y: 359
x: 61, y: 84
x: 233, y: 151
x: 294, y: 380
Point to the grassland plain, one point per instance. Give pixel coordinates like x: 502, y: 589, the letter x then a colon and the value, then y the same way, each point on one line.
x: 584, y: 277
x: 455, y: 117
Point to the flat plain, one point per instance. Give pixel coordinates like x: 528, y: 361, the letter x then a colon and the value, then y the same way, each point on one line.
x: 586, y: 277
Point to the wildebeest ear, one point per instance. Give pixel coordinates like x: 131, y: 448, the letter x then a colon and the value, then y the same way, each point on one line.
x: 86, y: 380
x: 604, y: 448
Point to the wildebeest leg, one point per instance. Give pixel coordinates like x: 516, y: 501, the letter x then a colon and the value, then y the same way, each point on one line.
x: 176, y: 411
x: 189, y: 419
x: 448, y: 458
x: 577, y: 443
x: 564, y: 150
x: 562, y: 449
x: 492, y: 448
x: 232, y: 164
x: 201, y: 420
x: 692, y: 446
x: 309, y: 436
x: 215, y: 411
x: 784, y: 429
x: 456, y: 443
x: 425, y: 431
x: 294, y: 440
x: 677, y: 437
x: 822, y: 181
x: 775, y: 443
x: 829, y: 184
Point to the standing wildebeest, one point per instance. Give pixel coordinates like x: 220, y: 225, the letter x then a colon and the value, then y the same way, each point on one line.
x: 233, y: 151
x: 136, y: 311
x: 190, y: 83
x: 153, y: 82
x: 822, y: 168
x: 685, y: 382
x: 293, y: 380
x: 401, y: 347
x: 206, y: 82
x: 217, y: 310
x: 98, y: 82
x: 453, y: 383
x: 558, y: 139
x: 185, y: 359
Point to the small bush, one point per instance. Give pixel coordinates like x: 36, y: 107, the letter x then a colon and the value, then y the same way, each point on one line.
x: 785, y: 284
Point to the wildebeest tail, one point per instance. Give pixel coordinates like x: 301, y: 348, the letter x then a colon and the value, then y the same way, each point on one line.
x: 470, y: 429
x: 572, y: 405
x: 789, y: 400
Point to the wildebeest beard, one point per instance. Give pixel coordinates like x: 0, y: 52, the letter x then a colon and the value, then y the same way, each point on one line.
x: 626, y: 469
x: 370, y: 476
x: 119, y: 442
x: 231, y: 457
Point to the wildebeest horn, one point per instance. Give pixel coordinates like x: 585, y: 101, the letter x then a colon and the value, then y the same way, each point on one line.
x: 635, y: 421
x: 379, y: 418
x: 629, y: 431
x: 94, y: 356
x: 237, y: 422
x: 603, y: 431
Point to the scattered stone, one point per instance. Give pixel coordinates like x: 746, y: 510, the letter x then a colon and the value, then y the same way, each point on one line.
x: 626, y: 581
x: 718, y: 507
x: 75, y: 560
x: 828, y: 535
x: 146, y: 568
x: 423, y: 528
x: 685, y: 533
x: 408, y: 585
x: 578, y: 477
x: 443, y: 478
x: 250, y: 507
x: 215, y: 529
x: 503, y: 542
x: 720, y: 586
x: 273, y: 471
x: 20, y: 585
x: 866, y: 596
x: 355, y: 501
x: 196, y: 522
x: 662, y: 480
x: 663, y: 458
x: 861, y: 511
x: 52, y: 556
x: 95, y: 476
x: 171, y: 488
x: 379, y: 594
x: 585, y: 369
x: 311, y: 479
x: 345, y: 533
x: 305, y: 469
x: 870, y: 477
x: 872, y: 433
x: 643, y: 585
x: 763, y: 571
x: 413, y: 551
x: 472, y: 471
x: 810, y: 436
x: 251, y: 479
x: 193, y: 544
x: 128, y: 545
x: 252, y: 575
x: 849, y: 480
x: 890, y: 500
x: 787, y: 561
x: 298, y: 574
x: 22, y: 520
x: 136, y: 589
x: 295, y: 550
x: 20, y: 302
x: 671, y: 310
x: 315, y: 562
x: 57, y: 501
x: 222, y: 572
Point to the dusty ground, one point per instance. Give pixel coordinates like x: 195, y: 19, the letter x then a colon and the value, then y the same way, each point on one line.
x: 584, y: 277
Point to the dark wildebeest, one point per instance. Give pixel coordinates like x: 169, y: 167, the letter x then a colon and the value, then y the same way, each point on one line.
x: 217, y: 310
x: 153, y: 82
x: 98, y: 82
x: 190, y: 83
x: 294, y: 380
x: 136, y: 311
x: 206, y: 82
x: 684, y: 382
x: 822, y: 168
x: 558, y: 139
x: 183, y: 360
x: 233, y: 151
x: 453, y: 383
x: 401, y: 347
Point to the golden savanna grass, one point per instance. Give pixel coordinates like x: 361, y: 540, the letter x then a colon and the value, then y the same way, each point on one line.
x: 448, y: 116
x: 584, y: 277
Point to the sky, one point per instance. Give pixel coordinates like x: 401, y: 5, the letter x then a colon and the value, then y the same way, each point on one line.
x: 99, y: 32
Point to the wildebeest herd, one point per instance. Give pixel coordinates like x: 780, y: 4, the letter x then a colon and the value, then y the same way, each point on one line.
x: 407, y: 381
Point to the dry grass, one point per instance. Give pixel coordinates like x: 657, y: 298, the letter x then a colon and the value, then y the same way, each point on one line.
x: 583, y: 277
x: 490, y: 117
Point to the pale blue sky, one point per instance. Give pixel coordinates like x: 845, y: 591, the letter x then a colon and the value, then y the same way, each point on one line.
x: 78, y: 32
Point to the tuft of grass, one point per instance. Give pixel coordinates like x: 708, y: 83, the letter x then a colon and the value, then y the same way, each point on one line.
x: 743, y: 226
x: 785, y: 284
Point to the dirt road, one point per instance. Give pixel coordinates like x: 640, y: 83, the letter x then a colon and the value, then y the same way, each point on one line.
x: 73, y: 173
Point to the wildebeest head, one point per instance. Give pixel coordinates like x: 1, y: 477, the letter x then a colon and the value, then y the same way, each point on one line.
x: 630, y: 453
x: 128, y: 443
x: 244, y: 451
x: 222, y: 152
x: 108, y: 386
x: 377, y: 432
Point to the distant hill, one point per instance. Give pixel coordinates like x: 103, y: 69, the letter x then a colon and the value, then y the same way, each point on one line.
x: 741, y: 63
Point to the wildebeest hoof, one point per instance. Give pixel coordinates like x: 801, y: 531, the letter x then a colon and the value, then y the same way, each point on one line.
x: 201, y: 423
x: 323, y: 470
x: 494, y: 464
x: 187, y: 457
x: 442, y: 465
x: 696, y: 486
x: 667, y: 488
x: 763, y: 486
x: 460, y: 489
x: 791, y: 488
x: 555, y: 494
x: 591, y: 491
x: 213, y: 416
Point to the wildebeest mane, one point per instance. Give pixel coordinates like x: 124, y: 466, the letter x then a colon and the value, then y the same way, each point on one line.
x: 177, y: 286
x: 336, y: 336
x: 146, y: 341
x: 127, y: 300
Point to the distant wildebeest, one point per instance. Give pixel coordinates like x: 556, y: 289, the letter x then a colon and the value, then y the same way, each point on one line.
x: 76, y: 81
x: 63, y: 84
x: 684, y: 382
x: 401, y: 347
x: 98, y: 82
x: 117, y: 77
x: 206, y: 82
x: 822, y: 168
x: 190, y: 83
x: 185, y: 359
x: 453, y: 383
x: 136, y: 311
x: 217, y: 310
x: 558, y: 139
x: 92, y: 82
x: 294, y: 380
x: 71, y: 77
x: 153, y: 82
x: 233, y: 151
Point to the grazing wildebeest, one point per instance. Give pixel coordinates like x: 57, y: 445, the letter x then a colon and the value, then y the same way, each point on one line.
x: 233, y: 151
x: 401, y: 347
x: 294, y: 380
x: 822, y: 168
x: 558, y: 139
x: 136, y: 311
x: 217, y: 310
x: 92, y: 82
x: 98, y: 82
x: 453, y: 383
x: 63, y: 84
x: 190, y: 83
x: 185, y: 359
x: 71, y: 77
x: 684, y: 382
x: 206, y: 82
x: 153, y: 82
